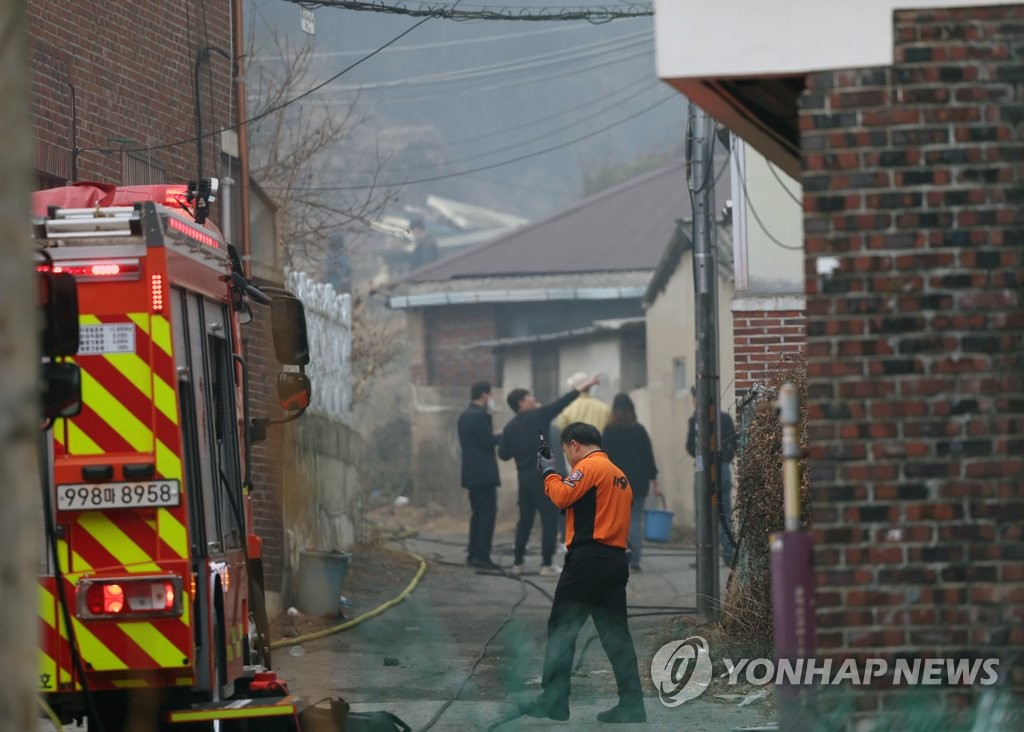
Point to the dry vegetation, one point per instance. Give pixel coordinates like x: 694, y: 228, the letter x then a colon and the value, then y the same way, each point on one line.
x: 747, y: 606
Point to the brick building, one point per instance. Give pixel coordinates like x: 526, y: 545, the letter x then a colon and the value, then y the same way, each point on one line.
x: 113, y: 101
x: 904, y: 128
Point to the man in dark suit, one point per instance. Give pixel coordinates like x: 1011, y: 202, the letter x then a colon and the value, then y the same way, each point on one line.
x: 480, y: 473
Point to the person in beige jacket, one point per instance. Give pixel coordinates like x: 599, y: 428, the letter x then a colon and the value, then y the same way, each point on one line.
x: 586, y: 408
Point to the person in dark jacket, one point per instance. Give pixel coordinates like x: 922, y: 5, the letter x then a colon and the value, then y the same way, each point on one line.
x: 727, y: 439
x: 480, y: 473
x: 629, y: 446
x: 519, y: 440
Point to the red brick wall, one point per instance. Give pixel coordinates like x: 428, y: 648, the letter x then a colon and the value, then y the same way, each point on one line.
x: 912, y: 179
x: 267, y: 456
x: 446, y: 330
x: 761, y: 340
x: 131, y: 67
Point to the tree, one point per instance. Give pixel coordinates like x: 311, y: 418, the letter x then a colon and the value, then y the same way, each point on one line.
x: 296, y: 151
x: 19, y: 361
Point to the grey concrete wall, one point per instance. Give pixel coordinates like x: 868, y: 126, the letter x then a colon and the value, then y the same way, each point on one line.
x: 323, y: 493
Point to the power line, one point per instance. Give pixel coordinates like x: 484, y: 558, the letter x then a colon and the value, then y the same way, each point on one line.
x: 746, y: 197
x: 425, y: 46
x: 592, y: 14
x: 545, y: 133
x: 484, y: 167
x: 606, y: 61
x: 584, y: 51
x: 782, y: 183
x: 267, y: 112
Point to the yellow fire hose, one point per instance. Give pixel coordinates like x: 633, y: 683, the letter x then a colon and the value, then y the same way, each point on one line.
x: 50, y: 713
x: 397, y: 600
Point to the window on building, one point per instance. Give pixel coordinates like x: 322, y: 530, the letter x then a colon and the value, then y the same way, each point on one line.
x: 679, y: 375
x: 633, y: 359
x: 544, y: 372
x: 141, y: 170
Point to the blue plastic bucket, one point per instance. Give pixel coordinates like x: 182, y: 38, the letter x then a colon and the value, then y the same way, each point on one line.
x: 321, y: 575
x: 658, y: 524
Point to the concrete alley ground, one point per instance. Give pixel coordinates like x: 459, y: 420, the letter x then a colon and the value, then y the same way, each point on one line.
x: 412, y: 659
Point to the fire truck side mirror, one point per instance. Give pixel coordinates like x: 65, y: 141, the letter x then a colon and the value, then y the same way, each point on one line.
x: 59, y: 301
x: 62, y: 390
x: 288, y: 321
x: 294, y: 390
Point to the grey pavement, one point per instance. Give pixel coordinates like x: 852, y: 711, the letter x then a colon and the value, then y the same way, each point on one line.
x: 431, y: 642
x: 412, y: 659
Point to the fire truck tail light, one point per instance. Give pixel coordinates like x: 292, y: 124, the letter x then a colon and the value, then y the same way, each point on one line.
x: 106, y: 271
x: 129, y: 597
x: 157, y: 292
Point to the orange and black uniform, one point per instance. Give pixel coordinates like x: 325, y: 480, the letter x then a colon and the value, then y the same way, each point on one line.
x: 597, y: 500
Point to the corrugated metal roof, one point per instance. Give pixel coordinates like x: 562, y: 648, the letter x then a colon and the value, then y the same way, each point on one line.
x: 537, y: 288
x: 623, y: 228
x: 598, y: 326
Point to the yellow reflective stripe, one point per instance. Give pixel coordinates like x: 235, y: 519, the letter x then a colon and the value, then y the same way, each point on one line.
x: 47, y: 672
x: 184, y: 681
x: 77, y: 562
x: 172, y: 532
x: 80, y: 443
x: 161, y: 333
x: 168, y: 464
x: 211, y: 715
x: 89, y: 320
x: 114, y: 413
x: 133, y: 368
x: 80, y: 567
x: 165, y: 400
x: 154, y: 643
x: 94, y: 652
x: 118, y: 543
x: 47, y: 611
x: 141, y: 320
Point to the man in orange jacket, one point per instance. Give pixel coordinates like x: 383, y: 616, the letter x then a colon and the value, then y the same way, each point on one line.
x: 597, y: 499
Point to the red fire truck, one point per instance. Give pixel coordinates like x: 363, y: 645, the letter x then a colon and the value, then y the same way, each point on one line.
x: 151, y: 597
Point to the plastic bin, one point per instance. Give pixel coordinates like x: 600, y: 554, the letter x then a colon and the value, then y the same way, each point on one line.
x: 321, y: 575
x: 658, y: 523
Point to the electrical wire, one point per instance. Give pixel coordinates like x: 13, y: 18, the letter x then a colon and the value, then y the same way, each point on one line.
x: 526, y: 81
x: 503, y: 68
x: 270, y: 110
x: 782, y: 183
x: 543, y: 135
x: 486, y: 167
x: 424, y: 46
x: 757, y: 217
x: 555, y: 115
x: 592, y: 14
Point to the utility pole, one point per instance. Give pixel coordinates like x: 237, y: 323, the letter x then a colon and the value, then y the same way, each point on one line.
x: 20, y: 526
x: 700, y: 145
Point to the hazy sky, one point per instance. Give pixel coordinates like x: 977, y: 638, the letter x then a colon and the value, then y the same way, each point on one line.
x: 453, y: 97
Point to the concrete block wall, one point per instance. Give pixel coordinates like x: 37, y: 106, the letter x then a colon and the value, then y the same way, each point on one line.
x: 912, y: 181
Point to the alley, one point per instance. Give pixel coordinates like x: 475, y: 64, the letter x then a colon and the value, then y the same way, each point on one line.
x: 415, y: 657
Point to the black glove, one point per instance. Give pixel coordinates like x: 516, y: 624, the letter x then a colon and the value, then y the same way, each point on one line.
x: 545, y: 463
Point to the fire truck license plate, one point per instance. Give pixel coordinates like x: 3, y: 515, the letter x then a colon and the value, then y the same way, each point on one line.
x: 86, y: 497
